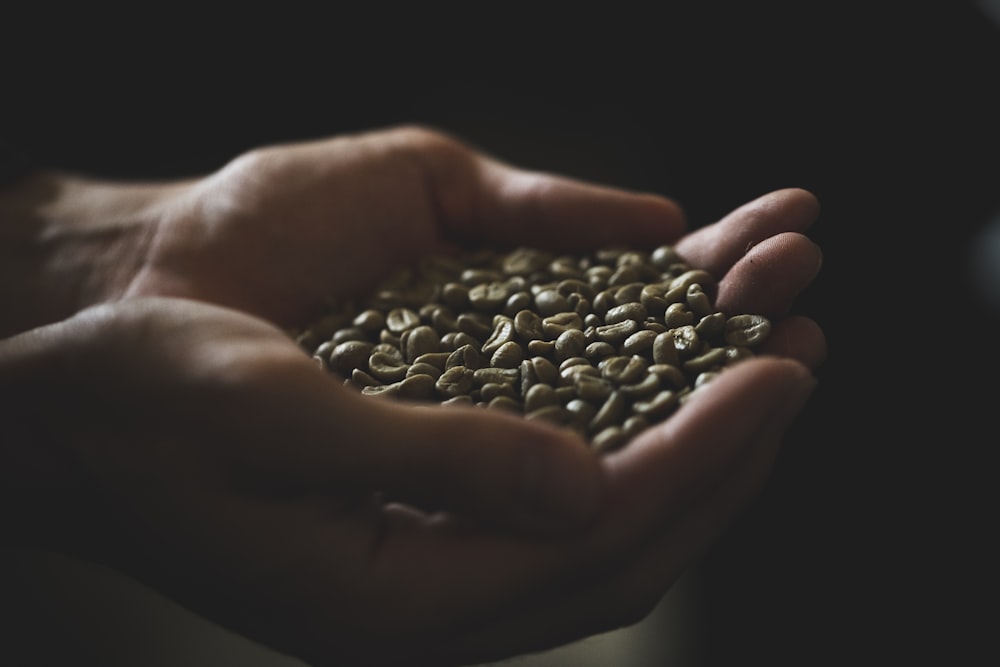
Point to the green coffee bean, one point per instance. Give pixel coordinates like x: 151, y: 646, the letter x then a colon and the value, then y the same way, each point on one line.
x: 658, y: 406
x: 475, y: 325
x: 549, y: 302
x: 436, y: 359
x: 554, y: 325
x: 605, y: 344
x: 371, y: 321
x: 504, y: 403
x: 618, y: 332
x: 610, y: 413
x: 609, y: 439
x: 488, y: 297
x: 508, y: 355
x: 639, y: 343
x: 623, y: 369
x: 455, y: 381
x: 503, y: 332
x: 540, y: 396
x: 528, y: 325
x: 419, y: 340
x: 399, y: 320
x: 570, y: 343
x: 747, y: 330
x: 421, y: 368
x: 499, y: 375
x: 491, y: 390
x: 386, y: 367
x: 349, y: 355
x: 631, y: 310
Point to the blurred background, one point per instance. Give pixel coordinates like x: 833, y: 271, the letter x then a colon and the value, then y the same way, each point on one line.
x: 871, y: 543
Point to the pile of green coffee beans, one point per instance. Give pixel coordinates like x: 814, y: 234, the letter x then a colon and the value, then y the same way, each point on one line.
x: 606, y: 343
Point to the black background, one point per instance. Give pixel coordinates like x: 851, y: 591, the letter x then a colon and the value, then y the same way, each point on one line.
x: 870, y: 543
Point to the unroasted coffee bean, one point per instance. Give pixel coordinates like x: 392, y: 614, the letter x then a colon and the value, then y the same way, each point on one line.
x: 747, y: 330
x: 399, y: 320
x: 508, y: 355
x: 349, y: 355
x: 605, y: 344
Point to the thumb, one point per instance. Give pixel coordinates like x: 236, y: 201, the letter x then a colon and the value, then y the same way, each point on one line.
x: 494, y: 466
x: 470, y: 461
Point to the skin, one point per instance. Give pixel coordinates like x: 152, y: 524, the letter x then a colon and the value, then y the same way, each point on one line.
x: 199, y: 450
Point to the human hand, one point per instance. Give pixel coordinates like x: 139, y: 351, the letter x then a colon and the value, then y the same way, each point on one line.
x: 239, y: 532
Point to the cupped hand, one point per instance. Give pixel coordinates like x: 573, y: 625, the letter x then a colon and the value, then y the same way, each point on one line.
x: 282, y: 230
x: 224, y: 468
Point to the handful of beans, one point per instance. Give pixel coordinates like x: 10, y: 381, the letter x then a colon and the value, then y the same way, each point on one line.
x: 605, y: 344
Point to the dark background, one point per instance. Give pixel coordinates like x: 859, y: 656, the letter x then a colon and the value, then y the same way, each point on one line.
x: 870, y: 543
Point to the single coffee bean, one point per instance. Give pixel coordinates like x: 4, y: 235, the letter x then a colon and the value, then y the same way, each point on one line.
x: 499, y: 375
x: 371, y: 321
x: 419, y: 340
x: 508, y: 355
x: 421, y: 368
x: 467, y: 356
x: 632, y: 310
x: 641, y: 342
x: 747, y: 330
x: 610, y: 413
x: 713, y: 358
x: 697, y: 301
x: 658, y: 407
x: 505, y: 403
x: 349, y: 355
x: 503, y: 332
x: 556, y: 324
x: 677, y: 315
x: 517, y: 302
x: 618, y: 332
x: 489, y: 297
x: 646, y: 386
x: 349, y: 333
x: 455, y: 381
x: 455, y: 295
x: 491, y: 390
x: 436, y: 359
x: 399, y: 320
x: 528, y: 325
x: 387, y: 368
x: 475, y: 325
x: 711, y: 326
x: 609, y: 439
x: 570, y: 343
x: 525, y: 261
x: 540, y: 396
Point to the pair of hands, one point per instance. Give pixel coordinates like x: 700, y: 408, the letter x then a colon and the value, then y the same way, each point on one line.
x: 172, y: 428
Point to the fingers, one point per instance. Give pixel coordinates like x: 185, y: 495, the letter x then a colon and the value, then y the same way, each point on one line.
x: 673, y: 462
x: 558, y: 212
x: 718, y: 246
x: 799, y: 338
x: 486, y: 200
x: 499, y: 468
x: 672, y: 493
x: 769, y: 276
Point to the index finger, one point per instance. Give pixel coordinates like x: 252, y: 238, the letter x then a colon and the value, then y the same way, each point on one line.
x: 484, y: 199
x: 564, y: 213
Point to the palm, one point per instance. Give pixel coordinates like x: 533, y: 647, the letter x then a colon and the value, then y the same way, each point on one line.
x: 264, y: 460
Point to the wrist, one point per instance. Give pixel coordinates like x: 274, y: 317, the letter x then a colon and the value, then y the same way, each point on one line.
x: 68, y: 242
x: 40, y: 480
